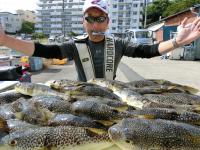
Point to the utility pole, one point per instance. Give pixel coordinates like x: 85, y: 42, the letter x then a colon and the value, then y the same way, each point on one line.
x: 145, y: 13
x: 63, y: 18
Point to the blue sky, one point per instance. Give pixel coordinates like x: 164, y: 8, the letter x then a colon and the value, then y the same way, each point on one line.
x: 13, y: 5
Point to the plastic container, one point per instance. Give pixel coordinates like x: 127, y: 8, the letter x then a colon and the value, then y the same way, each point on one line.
x: 35, y: 63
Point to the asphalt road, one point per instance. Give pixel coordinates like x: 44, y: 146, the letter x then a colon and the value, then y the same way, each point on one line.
x: 130, y: 69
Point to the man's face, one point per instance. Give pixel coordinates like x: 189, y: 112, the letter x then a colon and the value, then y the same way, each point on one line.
x: 95, y: 20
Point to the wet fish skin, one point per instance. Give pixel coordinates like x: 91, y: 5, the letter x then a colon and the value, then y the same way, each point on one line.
x: 94, y: 110
x: 169, y: 114
x: 34, y: 89
x: 7, y: 112
x: 159, y: 89
x: 126, y: 94
x: 35, y: 115
x: 16, y: 125
x: 9, y: 96
x: 184, y: 88
x: 53, y: 103
x: 60, y: 84
x: 63, y: 137
x: 174, y: 98
x: 141, y: 83
x: 82, y: 88
x: 93, y: 91
x: 72, y: 120
x: 180, y: 108
x: 21, y: 104
x: 117, y: 104
x: 167, y: 135
x: 113, y: 85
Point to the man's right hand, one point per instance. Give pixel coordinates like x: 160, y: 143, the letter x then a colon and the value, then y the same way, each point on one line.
x: 2, y: 35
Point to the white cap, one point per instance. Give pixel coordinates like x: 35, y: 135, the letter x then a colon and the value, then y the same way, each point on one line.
x: 100, y: 4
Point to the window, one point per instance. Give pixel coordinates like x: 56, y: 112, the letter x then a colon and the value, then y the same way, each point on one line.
x: 135, y: 5
x: 114, y: 6
x: 128, y: 14
x: 127, y: 22
x: 134, y: 20
x: 114, y: 13
x: 113, y: 21
x: 121, y: 7
x: 120, y: 22
x: 134, y: 12
x: 120, y: 15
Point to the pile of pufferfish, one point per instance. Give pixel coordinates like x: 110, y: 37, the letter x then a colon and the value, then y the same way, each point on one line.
x: 100, y: 114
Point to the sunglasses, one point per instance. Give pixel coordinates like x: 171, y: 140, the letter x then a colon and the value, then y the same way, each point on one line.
x: 91, y: 19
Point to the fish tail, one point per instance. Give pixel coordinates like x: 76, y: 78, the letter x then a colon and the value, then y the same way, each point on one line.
x: 190, y: 89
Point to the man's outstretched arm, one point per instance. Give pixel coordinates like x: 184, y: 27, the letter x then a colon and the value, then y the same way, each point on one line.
x: 187, y: 34
x: 26, y: 47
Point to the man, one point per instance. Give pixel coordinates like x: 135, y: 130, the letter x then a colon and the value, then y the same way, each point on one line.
x: 98, y: 55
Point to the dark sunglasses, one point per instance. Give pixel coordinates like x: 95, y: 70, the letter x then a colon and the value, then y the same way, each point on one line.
x: 91, y: 19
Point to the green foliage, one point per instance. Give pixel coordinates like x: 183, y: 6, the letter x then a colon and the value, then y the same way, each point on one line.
x: 72, y: 34
x: 38, y: 35
x: 27, y: 27
x: 165, y: 8
x: 155, y: 10
x: 178, y: 6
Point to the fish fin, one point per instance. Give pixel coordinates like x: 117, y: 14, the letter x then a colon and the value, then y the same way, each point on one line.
x: 105, y: 122
x: 146, y: 116
x: 95, y: 131
x: 196, y: 108
x: 121, y: 109
x: 19, y: 115
x: 185, y: 88
x: 190, y: 89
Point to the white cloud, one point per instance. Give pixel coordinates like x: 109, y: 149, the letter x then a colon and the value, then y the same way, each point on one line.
x: 13, y: 5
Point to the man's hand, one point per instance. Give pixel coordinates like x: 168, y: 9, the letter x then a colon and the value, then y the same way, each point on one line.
x: 2, y: 36
x: 187, y: 33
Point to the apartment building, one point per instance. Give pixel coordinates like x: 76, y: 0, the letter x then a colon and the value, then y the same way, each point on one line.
x: 10, y: 22
x: 27, y: 15
x: 58, y: 17
x: 125, y: 14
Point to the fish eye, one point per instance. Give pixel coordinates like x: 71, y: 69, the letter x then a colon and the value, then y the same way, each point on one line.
x: 13, y: 142
x: 127, y: 141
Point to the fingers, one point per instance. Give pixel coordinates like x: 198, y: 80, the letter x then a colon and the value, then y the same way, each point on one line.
x: 195, y: 24
x: 183, y: 23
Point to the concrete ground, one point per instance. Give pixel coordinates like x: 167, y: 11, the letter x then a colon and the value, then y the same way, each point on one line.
x: 182, y: 72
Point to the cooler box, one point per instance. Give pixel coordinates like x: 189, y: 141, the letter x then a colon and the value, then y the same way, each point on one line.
x: 35, y: 63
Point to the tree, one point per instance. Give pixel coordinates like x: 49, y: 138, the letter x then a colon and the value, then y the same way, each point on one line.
x: 155, y: 10
x: 27, y: 27
x: 38, y: 35
x: 165, y: 8
x: 178, y: 6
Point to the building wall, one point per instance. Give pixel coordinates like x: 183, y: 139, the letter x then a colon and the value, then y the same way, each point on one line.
x: 175, y: 21
x: 57, y: 18
x: 10, y: 22
x: 125, y: 14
